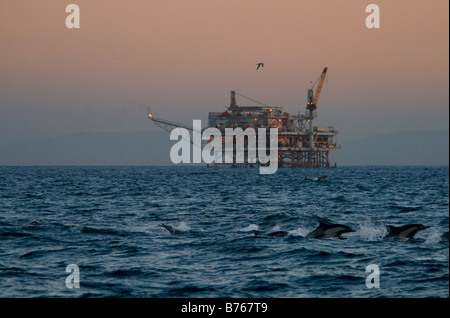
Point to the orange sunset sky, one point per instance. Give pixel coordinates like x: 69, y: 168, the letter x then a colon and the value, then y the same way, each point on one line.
x: 183, y: 57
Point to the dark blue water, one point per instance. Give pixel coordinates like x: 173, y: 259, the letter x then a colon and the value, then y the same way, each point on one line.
x: 106, y: 221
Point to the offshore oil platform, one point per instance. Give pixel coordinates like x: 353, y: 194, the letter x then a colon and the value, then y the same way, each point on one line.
x: 300, y: 143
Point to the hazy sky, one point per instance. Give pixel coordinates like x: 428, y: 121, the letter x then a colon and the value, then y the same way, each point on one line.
x: 183, y: 57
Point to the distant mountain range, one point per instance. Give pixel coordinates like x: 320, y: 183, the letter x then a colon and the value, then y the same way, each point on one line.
x: 153, y: 148
x: 414, y: 148
x: 93, y: 148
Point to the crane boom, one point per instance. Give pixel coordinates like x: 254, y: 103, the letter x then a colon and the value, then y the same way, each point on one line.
x: 166, y: 124
x: 170, y: 125
x: 319, y: 86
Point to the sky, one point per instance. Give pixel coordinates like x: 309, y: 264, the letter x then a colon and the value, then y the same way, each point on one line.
x: 181, y: 59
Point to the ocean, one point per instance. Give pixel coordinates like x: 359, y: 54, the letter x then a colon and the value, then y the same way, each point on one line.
x: 96, y: 232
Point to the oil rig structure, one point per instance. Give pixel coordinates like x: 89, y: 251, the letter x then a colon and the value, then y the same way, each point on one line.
x: 300, y: 143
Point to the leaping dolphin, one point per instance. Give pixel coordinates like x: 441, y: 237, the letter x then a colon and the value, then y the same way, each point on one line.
x: 403, y: 233
x: 329, y: 230
x: 172, y: 230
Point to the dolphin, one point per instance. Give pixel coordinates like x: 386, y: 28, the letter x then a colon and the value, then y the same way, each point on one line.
x: 173, y: 230
x: 278, y: 233
x: 272, y: 234
x: 321, y: 178
x: 328, y: 230
x: 403, y: 233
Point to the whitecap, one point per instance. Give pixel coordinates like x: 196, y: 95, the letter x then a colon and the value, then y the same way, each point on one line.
x: 250, y: 228
x: 434, y: 237
x: 371, y: 232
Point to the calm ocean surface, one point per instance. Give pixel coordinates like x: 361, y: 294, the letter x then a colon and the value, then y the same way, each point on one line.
x: 106, y: 221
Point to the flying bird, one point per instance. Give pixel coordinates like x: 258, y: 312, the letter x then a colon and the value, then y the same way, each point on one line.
x: 259, y: 65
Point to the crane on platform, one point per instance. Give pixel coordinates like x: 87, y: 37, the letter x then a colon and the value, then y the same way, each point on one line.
x: 168, y: 125
x: 313, y: 97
